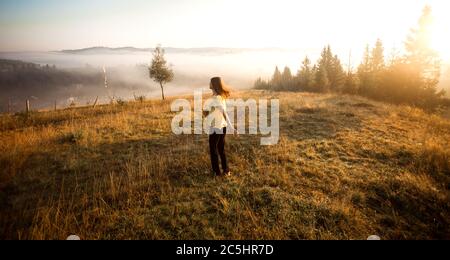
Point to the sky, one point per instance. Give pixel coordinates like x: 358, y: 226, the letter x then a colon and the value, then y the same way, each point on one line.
x: 45, y: 25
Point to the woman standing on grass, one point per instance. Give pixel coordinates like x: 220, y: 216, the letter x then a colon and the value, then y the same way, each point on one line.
x: 218, y: 128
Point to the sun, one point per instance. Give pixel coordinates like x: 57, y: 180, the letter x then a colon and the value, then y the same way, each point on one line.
x: 440, y: 37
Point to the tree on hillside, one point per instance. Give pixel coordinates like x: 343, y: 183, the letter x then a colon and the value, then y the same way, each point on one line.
x: 323, y: 64
x: 322, y: 81
x: 286, y: 79
x: 424, y: 62
x: 336, y: 74
x: 159, y: 71
x: 276, y: 79
x: 261, y: 84
x: 364, y: 71
x: 326, y: 58
x: 330, y: 74
x: 371, y: 70
x: 305, y: 76
x: 287, y: 74
x: 377, y: 60
x: 350, y: 84
x: 377, y: 68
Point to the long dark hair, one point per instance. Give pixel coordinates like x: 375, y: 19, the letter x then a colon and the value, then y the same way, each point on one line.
x: 219, y: 87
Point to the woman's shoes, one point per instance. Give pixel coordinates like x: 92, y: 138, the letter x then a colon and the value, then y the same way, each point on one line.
x: 225, y: 174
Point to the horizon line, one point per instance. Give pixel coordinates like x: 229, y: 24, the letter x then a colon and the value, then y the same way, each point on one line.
x: 164, y: 47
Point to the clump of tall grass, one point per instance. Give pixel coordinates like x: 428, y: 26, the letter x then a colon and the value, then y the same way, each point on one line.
x: 434, y: 160
x: 74, y: 137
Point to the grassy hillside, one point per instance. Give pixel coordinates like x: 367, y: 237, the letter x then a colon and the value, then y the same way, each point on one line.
x: 345, y: 168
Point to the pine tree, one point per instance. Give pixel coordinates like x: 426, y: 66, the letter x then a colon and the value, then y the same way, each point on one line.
x: 364, y: 74
x: 377, y: 59
x: 314, y: 84
x: 336, y: 74
x: 330, y: 74
x: 322, y: 81
x: 323, y: 67
x: 424, y: 62
x: 276, y: 79
x: 305, y: 75
x: 350, y: 84
x: 261, y: 84
x: 286, y: 79
x: 377, y: 68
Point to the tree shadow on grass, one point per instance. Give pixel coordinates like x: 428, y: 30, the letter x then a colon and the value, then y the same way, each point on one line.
x: 318, y: 123
x: 404, y: 211
x: 160, y: 164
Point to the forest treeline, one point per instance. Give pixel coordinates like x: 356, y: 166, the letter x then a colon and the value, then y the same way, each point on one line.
x: 46, y: 84
x: 411, y: 78
x: 19, y: 78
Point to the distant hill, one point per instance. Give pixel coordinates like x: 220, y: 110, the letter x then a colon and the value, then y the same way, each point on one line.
x: 205, y: 50
x: 100, y: 50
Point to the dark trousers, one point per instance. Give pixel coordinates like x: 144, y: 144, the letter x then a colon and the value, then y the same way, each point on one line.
x: 216, y: 149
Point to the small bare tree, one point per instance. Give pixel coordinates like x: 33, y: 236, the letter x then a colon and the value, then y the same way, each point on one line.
x: 159, y: 71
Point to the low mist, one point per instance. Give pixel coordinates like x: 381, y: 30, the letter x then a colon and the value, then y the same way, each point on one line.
x: 76, y: 77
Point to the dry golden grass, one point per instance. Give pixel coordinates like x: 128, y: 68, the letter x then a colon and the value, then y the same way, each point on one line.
x: 345, y: 168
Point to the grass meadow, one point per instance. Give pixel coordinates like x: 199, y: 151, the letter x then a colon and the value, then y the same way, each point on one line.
x: 345, y: 168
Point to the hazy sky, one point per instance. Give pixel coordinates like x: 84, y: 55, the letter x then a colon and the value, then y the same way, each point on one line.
x: 39, y: 25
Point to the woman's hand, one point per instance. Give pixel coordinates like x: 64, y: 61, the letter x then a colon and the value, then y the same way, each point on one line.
x: 233, y: 130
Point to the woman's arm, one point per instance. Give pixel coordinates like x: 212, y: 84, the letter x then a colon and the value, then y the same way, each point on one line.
x: 227, y: 118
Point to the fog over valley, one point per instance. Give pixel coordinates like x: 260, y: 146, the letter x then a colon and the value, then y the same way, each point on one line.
x: 76, y: 77
x: 127, y: 73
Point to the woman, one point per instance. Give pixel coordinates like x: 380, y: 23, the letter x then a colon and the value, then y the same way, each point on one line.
x: 218, y: 128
